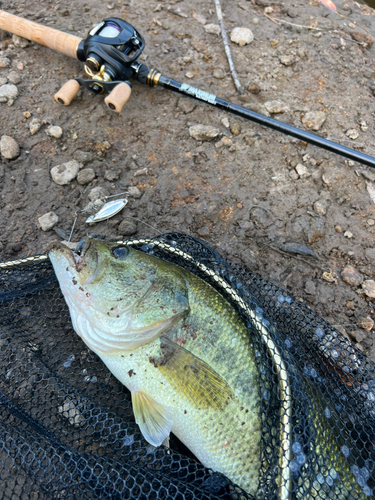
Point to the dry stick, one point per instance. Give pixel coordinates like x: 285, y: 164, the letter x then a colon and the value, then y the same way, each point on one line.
x: 277, y: 21
x: 227, y: 49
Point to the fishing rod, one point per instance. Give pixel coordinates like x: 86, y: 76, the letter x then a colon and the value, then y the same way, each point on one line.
x: 110, y: 54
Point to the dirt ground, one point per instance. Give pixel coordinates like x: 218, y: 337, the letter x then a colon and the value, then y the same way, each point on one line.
x: 254, y: 197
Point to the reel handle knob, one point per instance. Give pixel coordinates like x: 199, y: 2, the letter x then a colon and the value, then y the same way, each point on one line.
x: 67, y: 92
x: 118, y: 97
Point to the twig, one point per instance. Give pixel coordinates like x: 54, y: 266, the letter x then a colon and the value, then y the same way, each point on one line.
x: 276, y: 21
x: 227, y: 49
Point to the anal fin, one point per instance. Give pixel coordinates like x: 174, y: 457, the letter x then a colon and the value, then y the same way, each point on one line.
x: 154, y: 419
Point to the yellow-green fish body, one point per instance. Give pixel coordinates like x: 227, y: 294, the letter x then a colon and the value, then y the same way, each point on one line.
x: 181, y: 349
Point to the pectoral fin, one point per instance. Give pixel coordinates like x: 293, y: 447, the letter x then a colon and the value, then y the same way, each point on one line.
x: 154, y: 419
x: 191, y: 377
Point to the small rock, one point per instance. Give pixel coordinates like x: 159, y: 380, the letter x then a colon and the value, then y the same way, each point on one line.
x: 357, y: 336
x: 338, y: 229
x: 268, y: 10
x: 112, y: 175
x: 225, y: 122
x: 242, y: 36
x: 293, y: 175
x: 54, y: 131
x: 20, y: 42
x: 364, y: 38
x: 83, y: 157
x: 3, y: 80
x: 127, y: 227
x: 369, y: 288
x: 366, y: 323
x: 253, y: 88
x: 190, y: 74
x: 314, y: 119
x: 107, y: 145
x: 66, y: 172
x: 212, y: 29
x: 370, y: 254
x: 9, y: 147
x: 8, y: 93
x: 275, y: 107
x: 96, y: 193
x: 35, y: 125
x: 27, y: 114
x: 14, y: 77
x: 287, y: 60
x: 352, y: 133
x: 186, y: 106
x: 86, y: 175
x: 203, y: 132
x: 48, y: 220
x: 235, y: 128
x: 134, y: 192
x: 4, y: 62
x: 302, y: 171
x: 219, y: 73
x: 204, y: 231
x: 224, y: 142
x: 16, y: 247
x: 310, y: 287
x: 351, y: 276
x: 370, y: 222
x: 94, y: 206
x: 142, y: 171
x: 320, y: 207
x: 348, y: 234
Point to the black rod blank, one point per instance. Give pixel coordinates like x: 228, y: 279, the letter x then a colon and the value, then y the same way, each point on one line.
x: 201, y: 95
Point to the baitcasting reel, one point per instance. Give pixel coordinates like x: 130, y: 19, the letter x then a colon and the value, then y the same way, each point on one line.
x: 110, y: 53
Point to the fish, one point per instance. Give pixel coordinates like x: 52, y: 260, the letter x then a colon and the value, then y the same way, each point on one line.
x: 182, y: 350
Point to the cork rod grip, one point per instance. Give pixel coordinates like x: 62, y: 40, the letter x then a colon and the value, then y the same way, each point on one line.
x: 67, y: 92
x: 118, y: 97
x: 49, y: 37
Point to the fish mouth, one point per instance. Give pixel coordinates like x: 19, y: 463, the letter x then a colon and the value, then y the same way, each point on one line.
x: 84, y: 256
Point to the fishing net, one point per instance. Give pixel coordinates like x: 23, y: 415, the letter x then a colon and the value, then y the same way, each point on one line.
x: 66, y: 424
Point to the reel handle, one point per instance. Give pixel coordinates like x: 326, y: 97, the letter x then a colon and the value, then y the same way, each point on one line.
x: 67, y: 92
x: 49, y: 37
x: 118, y: 97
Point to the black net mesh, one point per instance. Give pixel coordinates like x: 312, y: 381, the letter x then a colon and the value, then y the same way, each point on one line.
x: 67, y: 428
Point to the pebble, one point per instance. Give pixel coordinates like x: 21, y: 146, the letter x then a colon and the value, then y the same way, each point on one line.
x: 35, y: 125
x: 4, y: 62
x: 338, y: 229
x: 275, y: 107
x: 212, y: 29
x: 112, y: 175
x: 366, y: 323
x: 351, y: 276
x: 66, y: 172
x: 314, y: 119
x: 352, y: 133
x: 302, y: 171
x: 185, y: 105
x: 224, y: 142
x: 14, y: 77
x: 310, y: 287
x: 48, y: 220
x: 127, y: 227
x: 203, y: 132
x: 97, y: 193
x: 219, y: 73
x: 235, y: 128
x: 3, y: 80
x: 370, y: 222
x: 268, y: 10
x: 369, y: 288
x: 85, y: 176
x: 204, y: 231
x: 253, y: 88
x: 242, y: 36
x: 357, y: 335
x: 83, y: 157
x: 190, y: 74
x: 225, y: 122
x: 134, y: 192
x: 287, y: 60
x: 54, y: 131
x: 20, y: 42
x: 348, y: 234
x: 320, y: 207
x: 8, y: 93
x: 370, y: 253
x: 9, y: 147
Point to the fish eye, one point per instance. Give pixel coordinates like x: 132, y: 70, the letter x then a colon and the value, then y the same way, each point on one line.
x: 120, y: 252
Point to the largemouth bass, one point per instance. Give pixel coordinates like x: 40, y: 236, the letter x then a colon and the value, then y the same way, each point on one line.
x: 180, y: 348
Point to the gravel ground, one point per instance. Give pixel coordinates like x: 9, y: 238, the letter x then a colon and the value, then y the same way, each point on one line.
x: 252, y: 193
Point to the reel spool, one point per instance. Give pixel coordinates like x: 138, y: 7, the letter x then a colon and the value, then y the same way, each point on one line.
x: 109, y: 52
